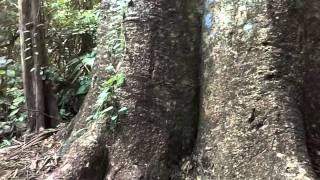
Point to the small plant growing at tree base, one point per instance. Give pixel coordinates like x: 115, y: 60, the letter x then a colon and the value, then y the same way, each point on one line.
x: 105, y: 102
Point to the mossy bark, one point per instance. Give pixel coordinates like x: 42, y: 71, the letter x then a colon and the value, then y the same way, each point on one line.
x: 160, y: 60
x: 252, y: 123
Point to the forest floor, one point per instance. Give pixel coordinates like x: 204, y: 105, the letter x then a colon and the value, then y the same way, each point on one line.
x: 31, y: 156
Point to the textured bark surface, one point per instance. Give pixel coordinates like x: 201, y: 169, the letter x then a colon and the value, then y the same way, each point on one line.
x: 85, y: 155
x: 39, y: 56
x: 25, y: 43
x: 252, y: 123
x: 41, y: 106
x: 160, y: 61
x: 161, y: 66
x: 311, y: 90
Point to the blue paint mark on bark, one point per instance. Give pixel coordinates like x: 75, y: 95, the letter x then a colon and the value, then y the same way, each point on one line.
x: 208, y: 21
x: 248, y: 27
x: 208, y: 18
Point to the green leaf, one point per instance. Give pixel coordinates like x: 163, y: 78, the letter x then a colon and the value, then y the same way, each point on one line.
x: 114, y: 118
x: 102, y: 98
x: 109, y: 82
x: 73, y: 61
x: 22, y: 118
x: 62, y: 112
x: 2, y: 72
x: 107, y: 109
x: 83, y: 89
x: 14, y: 112
x: 120, y: 79
x: 11, y: 73
x: 123, y: 110
x: 17, y: 101
x: 12, y: 107
x: 110, y: 69
x: 102, y: 113
x: 5, y: 143
x: 89, y: 61
x: 113, y: 123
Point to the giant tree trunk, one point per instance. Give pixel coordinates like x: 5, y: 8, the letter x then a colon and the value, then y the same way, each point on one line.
x: 311, y: 83
x: 160, y: 61
x: 252, y: 115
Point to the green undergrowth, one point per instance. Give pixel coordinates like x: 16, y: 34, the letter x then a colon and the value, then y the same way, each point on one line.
x: 106, y: 102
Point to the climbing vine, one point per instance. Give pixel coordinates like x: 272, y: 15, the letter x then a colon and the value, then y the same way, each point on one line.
x: 116, y: 46
x: 105, y: 101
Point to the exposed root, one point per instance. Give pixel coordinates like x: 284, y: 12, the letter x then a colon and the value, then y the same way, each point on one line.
x: 84, y: 154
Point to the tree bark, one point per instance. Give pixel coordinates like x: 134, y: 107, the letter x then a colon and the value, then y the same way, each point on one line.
x: 252, y: 120
x: 39, y: 57
x: 26, y: 59
x: 160, y: 61
x: 311, y: 83
x: 41, y: 107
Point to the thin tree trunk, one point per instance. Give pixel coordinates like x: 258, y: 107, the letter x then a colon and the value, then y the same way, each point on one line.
x: 39, y: 55
x: 252, y: 124
x: 41, y: 104
x: 26, y: 59
x: 160, y: 62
